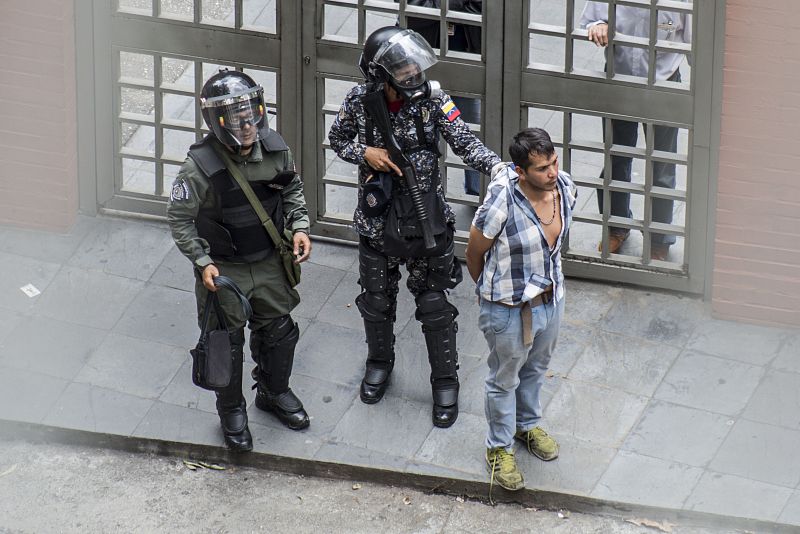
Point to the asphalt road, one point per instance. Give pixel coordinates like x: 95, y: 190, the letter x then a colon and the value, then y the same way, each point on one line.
x: 48, y: 488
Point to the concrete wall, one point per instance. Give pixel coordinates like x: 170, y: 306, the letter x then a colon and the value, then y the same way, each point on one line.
x: 38, y: 151
x: 757, y: 250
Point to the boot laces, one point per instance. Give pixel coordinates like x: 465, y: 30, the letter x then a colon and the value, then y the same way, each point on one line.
x: 502, y: 460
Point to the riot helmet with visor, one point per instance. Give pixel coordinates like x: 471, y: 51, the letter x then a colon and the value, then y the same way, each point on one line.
x: 233, y: 108
x: 399, y: 57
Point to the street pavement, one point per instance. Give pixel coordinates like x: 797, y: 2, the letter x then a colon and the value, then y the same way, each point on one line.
x: 86, y: 490
x: 655, y: 404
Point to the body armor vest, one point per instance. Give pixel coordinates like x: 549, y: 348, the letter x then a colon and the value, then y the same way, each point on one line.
x: 232, y: 227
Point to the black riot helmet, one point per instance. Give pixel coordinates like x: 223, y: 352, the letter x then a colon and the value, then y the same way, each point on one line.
x: 399, y: 57
x: 233, y: 108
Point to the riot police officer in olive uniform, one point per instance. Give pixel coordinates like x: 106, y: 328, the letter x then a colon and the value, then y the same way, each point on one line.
x: 214, y: 225
x: 393, y: 62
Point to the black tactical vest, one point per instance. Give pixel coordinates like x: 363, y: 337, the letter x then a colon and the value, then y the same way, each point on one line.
x: 232, y: 228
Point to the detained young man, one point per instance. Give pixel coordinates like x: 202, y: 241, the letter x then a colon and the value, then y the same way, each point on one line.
x: 514, y: 257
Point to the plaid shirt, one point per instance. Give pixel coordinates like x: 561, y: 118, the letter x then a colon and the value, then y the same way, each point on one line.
x: 520, y: 264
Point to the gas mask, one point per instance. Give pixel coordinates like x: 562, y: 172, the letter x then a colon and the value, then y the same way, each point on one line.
x: 427, y: 89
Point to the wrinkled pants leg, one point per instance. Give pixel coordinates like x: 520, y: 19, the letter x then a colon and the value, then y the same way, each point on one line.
x: 546, y: 325
x: 622, y: 133
x: 666, y: 140
x: 502, y: 328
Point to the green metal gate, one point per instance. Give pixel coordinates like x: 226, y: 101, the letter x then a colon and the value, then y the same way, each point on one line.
x: 151, y: 59
x: 535, y: 67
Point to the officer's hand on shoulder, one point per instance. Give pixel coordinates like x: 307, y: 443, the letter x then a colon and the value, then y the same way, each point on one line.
x: 209, y: 272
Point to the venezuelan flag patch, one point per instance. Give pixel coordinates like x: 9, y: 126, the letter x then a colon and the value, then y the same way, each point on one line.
x: 451, y: 111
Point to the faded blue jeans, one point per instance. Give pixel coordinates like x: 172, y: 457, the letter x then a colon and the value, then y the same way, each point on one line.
x: 516, y: 371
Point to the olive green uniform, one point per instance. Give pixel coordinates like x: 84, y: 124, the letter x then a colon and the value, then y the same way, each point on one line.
x: 213, y: 222
x: 263, y: 282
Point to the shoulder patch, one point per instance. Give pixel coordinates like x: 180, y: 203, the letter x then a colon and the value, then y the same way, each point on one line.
x: 180, y: 191
x: 450, y: 110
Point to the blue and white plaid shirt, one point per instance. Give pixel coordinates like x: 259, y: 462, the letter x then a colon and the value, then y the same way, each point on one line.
x: 520, y: 264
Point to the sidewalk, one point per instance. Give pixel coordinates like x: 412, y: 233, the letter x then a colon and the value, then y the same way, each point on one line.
x: 653, y: 402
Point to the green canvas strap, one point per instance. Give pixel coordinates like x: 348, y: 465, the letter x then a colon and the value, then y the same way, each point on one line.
x: 269, y: 226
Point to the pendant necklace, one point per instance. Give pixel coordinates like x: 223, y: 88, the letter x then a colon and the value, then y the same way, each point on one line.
x: 553, y: 218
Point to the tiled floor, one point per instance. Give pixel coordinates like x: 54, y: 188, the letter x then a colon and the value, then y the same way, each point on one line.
x: 653, y: 401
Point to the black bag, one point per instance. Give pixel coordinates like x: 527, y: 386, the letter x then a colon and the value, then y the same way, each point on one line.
x: 212, y: 361
x: 402, y: 236
x: 376, y: 194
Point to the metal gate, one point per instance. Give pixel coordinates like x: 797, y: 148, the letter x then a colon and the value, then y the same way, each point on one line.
x: 574, y: 90
x: 332, y: 43
x: 534, y: 67
x: 154, y: 56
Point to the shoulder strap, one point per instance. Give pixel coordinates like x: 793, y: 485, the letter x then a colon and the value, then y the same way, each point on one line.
x: 368, y: 130
x: 266, y: 222
x: 224, y: 281
x: 420, y: 129
x: 212, y: 300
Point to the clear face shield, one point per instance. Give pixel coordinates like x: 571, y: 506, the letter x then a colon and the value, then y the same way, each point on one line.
x: 406, y: 57
x: 237, y: 120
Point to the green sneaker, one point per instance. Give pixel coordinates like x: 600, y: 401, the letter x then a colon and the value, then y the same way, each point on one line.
x: 539, y: 443
x: 504, y: 470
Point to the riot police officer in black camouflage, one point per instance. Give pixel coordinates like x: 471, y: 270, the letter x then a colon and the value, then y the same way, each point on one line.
x: 394, y: 61
x: 215, y: 226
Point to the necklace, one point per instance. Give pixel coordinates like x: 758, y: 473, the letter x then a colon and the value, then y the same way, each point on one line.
x: 553, y: 218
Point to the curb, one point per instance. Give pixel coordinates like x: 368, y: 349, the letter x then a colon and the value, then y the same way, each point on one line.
x: 474, y: 490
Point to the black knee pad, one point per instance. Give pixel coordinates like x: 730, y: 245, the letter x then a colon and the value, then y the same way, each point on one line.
x: 434, y: 312
x: 444, y: 272
x: 372, y: 269
x: 281, y: 331
x: 374, y: 306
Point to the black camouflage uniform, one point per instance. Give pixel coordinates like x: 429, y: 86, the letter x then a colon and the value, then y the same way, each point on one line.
x: 417, y: 127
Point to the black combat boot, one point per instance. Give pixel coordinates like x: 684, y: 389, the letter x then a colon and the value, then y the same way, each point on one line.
x: 231, y: 406
x: 272, y: 348
x: 443, y: 358
x: 233, y: 419
x: 380, y: 360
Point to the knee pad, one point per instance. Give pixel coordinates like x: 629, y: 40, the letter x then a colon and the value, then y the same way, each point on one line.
x: 281, y: 331
x: 444, y: 272
x: 372, y: 269
x: 278, y: 331
x: 374, y: 306
x: 434, y: 312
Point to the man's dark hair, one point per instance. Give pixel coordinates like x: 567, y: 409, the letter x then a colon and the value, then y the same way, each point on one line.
x: 530, y: 141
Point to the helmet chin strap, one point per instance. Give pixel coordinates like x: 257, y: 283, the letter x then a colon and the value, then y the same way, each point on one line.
x: 238, y: 149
